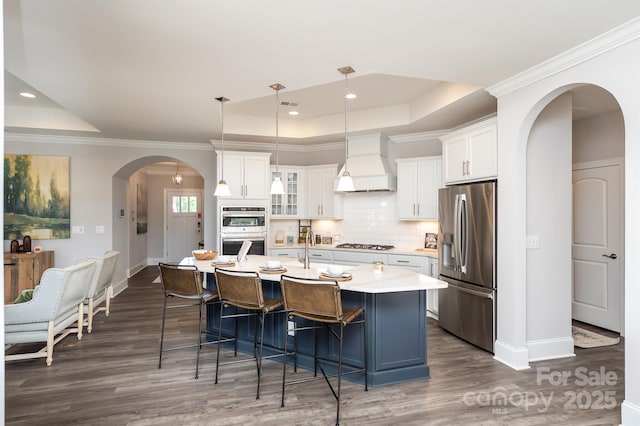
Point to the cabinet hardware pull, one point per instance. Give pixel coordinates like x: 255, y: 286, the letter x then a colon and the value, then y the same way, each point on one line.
x: 402, y: 261
x: 463, y: 172
x: 610, y: 256
x: 418, y: 209
x: 414, y: 209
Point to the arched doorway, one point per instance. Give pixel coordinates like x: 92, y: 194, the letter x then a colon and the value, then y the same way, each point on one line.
x: 562, y: 135
x: 154, y: 173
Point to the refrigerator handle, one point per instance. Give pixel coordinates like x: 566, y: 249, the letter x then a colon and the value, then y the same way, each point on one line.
x: 456, y: 243
x: 473, y: 292
x: 464, y: 233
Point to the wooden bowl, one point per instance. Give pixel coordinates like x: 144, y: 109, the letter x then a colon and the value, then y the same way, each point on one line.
x: 204, y: 254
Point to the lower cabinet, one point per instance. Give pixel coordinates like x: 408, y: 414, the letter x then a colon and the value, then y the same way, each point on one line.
x: 432, y: 295
x: 294, y: 253
x: 22, y: 271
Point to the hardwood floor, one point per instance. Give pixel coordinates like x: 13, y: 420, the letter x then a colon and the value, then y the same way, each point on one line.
x: 111, y: 377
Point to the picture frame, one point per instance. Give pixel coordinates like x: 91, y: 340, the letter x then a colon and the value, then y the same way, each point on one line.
x: 37, y: 197
x: 430, y: 240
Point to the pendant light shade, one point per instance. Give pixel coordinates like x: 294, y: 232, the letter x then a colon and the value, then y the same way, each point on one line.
x: 177, y: 178
x: 345, y: 183
x: 222, y: 189
x: 276, y: 186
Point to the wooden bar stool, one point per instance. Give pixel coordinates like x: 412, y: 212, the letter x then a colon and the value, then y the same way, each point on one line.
x: 244, y: 290
x: 320, y: 302
x: 184, y: 282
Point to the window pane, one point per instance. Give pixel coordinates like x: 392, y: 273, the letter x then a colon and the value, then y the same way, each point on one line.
x: 175, y: 204
x: 193, y: 204
x: 184, y: 204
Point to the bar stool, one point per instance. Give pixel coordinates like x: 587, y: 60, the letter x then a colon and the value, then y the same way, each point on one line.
x: 320, y: 301
x: 184, y: 282
x: 244, y: 290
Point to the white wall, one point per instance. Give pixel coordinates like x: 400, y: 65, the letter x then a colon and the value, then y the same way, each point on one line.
x: 549, y: 217
x: 599, y: 137
x: 612, y: 63
x: 100, y: 171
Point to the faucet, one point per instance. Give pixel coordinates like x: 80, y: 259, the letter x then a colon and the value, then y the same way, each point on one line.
x: 306, y: 250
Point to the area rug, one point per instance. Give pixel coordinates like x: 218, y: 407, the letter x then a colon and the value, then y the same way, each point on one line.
x: 588, y: 339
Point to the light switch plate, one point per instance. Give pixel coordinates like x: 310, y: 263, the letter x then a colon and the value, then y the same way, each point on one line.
x: 533, y: 241
x: 99, y: 229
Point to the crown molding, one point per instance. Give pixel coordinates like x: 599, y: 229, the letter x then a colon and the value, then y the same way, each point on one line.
x: 603, y: 43
x: 419, y: 137
x: 121, y: 143
x: 271, y: 147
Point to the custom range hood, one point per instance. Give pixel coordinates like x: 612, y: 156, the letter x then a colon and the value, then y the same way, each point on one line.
x: 369, y: 165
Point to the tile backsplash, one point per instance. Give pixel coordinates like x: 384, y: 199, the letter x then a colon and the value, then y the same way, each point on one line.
x: 369, y: 218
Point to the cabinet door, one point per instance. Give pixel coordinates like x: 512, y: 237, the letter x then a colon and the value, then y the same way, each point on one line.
x: 482, y: 153
x: 407, y: 189
x: 429, y: 181
x: 234, y: 175
x: 314, y: 193
x: 256, y: 177
x: 293, y: 189
x: 328, y: 195
x: 278, y: 201
x: 454, y: 153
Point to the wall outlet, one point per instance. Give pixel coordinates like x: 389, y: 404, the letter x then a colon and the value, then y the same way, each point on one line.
x: 290, y: 326
x: 77, y: 229
x: 99, y: 229
x: 533, y: 241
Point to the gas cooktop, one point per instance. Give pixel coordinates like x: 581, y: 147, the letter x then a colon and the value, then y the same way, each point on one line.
x: 365, y: 246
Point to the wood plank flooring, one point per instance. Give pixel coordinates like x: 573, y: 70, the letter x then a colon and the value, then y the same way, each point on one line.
x: 111, y: 377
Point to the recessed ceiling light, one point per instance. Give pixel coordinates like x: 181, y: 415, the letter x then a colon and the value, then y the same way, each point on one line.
x: 350, y: 96
x: 293, y: 113
x: 27, y: 95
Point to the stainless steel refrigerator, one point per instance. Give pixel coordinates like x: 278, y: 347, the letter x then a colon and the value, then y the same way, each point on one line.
x: 467, y: 261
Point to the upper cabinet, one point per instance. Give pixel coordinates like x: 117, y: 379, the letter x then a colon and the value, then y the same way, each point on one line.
x: 247, y: 174
x: 471, y: 153
x: 322, y: 201
x: 291, y: 204
x: 418, y: 182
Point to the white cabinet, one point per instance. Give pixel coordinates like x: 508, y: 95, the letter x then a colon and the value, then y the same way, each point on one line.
x: 357, y: 257
x: 290, y: 205
x: 471, y: 153
x: 414, y: 263
x: 247, y: 174
x: 432, y: 295
x: 289, y: 252
x: 322, y: 201
x: 418, y: 182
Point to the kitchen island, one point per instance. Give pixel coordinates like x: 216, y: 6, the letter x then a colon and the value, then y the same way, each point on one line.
x: 395, y: 305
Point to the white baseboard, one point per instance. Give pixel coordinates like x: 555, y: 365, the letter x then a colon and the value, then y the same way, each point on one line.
x: 433, y: 315
x: 630, y: 413
x: 516, y: 358
x: 155, y: 261
x: 135, y: 269
x: 119, y: 287
x: 540, y: 350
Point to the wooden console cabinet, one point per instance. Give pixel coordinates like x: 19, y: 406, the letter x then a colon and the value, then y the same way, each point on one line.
x: 23, y: 271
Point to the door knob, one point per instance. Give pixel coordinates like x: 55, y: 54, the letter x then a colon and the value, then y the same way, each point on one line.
x: 610, y: 256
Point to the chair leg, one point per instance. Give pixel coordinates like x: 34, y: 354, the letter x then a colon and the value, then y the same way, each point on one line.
x: 284, y: 361
x: 90, y: 315
x: 339, y: 374
x: 219, y: 339
x: 199, y: 337
x: 259, y: 359
x: 50, y: 337
x: 80, y: 319
x: 107, y: 301
x: 164, y: 315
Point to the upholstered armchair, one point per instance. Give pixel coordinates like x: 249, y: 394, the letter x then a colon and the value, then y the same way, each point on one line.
x: 99, y: 286
x: 57, y: 303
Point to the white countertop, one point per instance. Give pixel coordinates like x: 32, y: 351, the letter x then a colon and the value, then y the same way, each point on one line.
x: 364, y: 279
x: 407, y: 251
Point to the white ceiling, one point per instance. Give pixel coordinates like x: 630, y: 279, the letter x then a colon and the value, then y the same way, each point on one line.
x: 150, y: 69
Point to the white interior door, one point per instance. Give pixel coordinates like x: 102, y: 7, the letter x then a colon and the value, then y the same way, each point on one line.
x: 183, y: 223
x: 597, y: 266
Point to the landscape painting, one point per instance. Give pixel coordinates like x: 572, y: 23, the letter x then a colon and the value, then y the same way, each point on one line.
x: 36, y: 202
x: 141, y: 209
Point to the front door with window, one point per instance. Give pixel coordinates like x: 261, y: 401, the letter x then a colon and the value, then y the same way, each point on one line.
x: 183, y: 223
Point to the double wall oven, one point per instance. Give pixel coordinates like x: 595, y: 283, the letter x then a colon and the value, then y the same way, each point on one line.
x: 238, y: 224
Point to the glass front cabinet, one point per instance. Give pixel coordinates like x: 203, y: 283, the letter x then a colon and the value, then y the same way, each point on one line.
x: 290, y: 205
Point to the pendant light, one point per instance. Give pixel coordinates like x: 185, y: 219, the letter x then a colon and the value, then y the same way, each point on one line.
x: 276, y: 186
x: 345, y: 183
x: 222, y: 190
x: 177, y: 178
